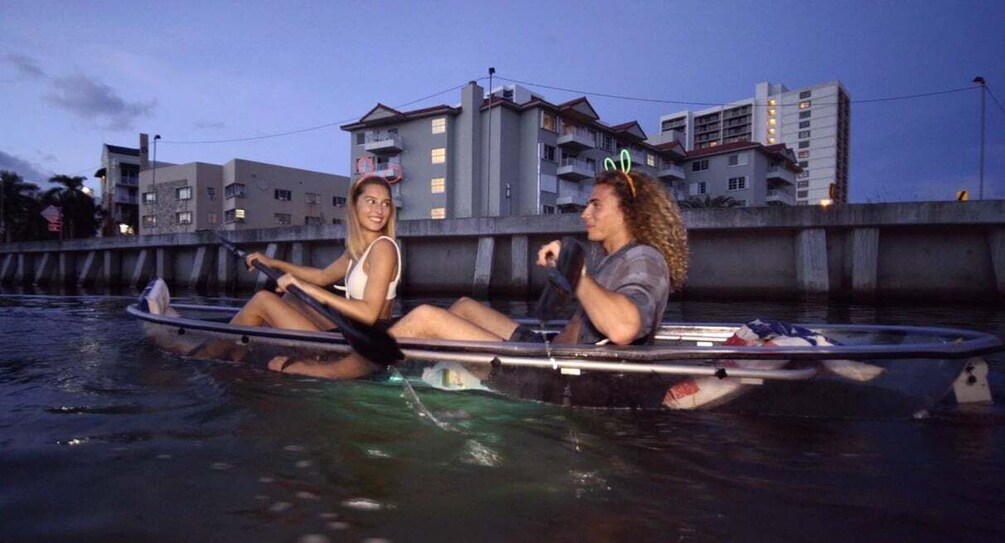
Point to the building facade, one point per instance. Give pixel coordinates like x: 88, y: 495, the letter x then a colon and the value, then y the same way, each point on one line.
x: 814, y: 121
x: 752, y: 174
x: 119, y: 175
x: 240, y: 194
x: 511, y: 153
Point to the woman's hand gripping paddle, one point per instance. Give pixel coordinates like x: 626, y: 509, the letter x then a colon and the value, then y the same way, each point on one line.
x: 371, y: 342
x: 563, y: 279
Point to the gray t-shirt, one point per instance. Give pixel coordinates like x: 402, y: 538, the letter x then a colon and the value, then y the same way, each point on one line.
x: 637, y: 271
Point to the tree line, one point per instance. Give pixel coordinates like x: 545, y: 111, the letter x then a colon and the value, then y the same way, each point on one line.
x: 21, y: 205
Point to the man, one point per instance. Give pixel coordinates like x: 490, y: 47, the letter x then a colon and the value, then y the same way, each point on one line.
x: 639, y: 256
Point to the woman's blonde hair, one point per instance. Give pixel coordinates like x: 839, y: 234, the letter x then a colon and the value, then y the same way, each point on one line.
x: 652, y: 216
x: 354, y: 230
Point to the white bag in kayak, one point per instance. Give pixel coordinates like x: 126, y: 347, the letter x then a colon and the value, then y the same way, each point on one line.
x: 709, y: 392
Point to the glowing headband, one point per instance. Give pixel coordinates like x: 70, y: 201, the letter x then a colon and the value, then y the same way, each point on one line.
x: 626, y: 167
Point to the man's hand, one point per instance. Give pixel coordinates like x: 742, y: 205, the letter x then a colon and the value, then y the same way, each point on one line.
x: 548, y: 253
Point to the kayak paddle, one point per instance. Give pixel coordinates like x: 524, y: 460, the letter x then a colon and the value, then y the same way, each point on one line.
x: 563, y: 279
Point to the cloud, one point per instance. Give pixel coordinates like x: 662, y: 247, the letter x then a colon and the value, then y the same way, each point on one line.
x: 95, y: 101
x: 28, y: 171
x: 26, y: 66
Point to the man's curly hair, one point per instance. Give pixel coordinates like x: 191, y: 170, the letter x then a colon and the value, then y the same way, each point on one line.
x: 653, y: 218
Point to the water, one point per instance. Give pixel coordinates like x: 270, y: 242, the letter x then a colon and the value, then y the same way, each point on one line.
x: 103, y: 437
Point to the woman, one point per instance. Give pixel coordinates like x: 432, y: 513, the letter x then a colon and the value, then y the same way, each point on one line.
x: 371, y: 267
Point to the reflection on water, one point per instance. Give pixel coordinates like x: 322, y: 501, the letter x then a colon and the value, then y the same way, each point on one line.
x: 104, y: 437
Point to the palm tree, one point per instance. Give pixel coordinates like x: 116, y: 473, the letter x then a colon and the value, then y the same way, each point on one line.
x: 80, y: 213
x: 19, y: 218
x: 706, y: 202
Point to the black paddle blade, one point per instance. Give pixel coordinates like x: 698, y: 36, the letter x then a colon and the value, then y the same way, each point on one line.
x: 562, y: 279
x: 373, y: 344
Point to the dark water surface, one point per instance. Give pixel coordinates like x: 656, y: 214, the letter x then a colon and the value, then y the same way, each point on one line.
x: 105, y: 438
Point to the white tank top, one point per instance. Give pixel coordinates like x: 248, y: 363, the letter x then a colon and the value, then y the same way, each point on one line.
x: 355, y: 280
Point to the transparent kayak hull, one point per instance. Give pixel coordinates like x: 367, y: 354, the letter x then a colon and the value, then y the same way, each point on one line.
x: 876, y: 371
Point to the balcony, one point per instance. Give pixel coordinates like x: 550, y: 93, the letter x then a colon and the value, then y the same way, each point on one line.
x: 779, y: 174
x: 574, y: 169
x: 126, y: 199
x: 385, y: 145
x: 779, y: 197
x: 575, y: 139
x: 670, y: 172
x: 572, y: 199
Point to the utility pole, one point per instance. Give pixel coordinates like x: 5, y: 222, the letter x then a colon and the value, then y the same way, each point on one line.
x: 980, y: 191
x: 488, y: 168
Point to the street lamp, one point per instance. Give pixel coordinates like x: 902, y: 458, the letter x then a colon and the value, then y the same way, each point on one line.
x: 980, y: 192
x: 153, y: 175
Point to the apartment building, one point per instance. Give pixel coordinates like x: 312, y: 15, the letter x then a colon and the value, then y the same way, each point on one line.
x: 752, y: 174
x: 511, y: 153
x: 119, y: 175
x: 815, y: 121
x: 240, y: 194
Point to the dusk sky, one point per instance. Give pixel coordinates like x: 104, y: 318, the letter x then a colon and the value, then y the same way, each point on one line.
x: 75, y: 75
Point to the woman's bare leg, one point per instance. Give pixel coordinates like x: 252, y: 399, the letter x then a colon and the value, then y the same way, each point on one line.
x: 265, y: 308
x: 484, y: 316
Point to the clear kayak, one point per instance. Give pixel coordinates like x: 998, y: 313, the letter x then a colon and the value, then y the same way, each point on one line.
x: 868, y: 371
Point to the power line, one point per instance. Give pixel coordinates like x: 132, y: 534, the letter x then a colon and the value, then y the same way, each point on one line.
x: 690, y: 103
x: 995, y: 98
x: 310, y: 129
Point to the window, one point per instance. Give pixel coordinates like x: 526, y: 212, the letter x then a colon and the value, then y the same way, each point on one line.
x: 437, y: 185
x: 697, y: 188
x: 309, y: 219
x: 804, y: 124
x: 283, y: 219
x: 547, y: 210
x: 804, y: 144
x: 805, y: 94
x: 233, y: 215
x: 772, y: 111
x: 439, y: 125
x: 772, y: 122
x: 549, y: 122
x: 312, y: 198
x: 591, y: 165
x: 699, y: 165
x: 804, y: 105
x: 548, y: 152
x: 149, y: 220
x: 438, y: 155
x: 771, y: 131
x: 802, y: 193
x: 360, y: 138
x: 336, y: 221
x: 211, y: 193
x: 804, y: 163
x: 804, y: 134
x: 737, y: 160
x: 283, y: 195
x: 606, y: 142
x: 772, y: 102
x: 438, y: 213
x: 339, y: 201
x: 803, y: 184
x: 738, y: 183
x: 234, y: 190
x: 183, y: 193
x: 804, y: 154
x: 651, y: 160
x: 149, y: 197
x: 212, y: 218
x: 803, y: 175
x: 183, y: 217
x: 804, y: 114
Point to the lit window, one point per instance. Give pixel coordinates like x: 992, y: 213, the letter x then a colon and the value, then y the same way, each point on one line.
x: 149, y: 197
x: 804, y: 104
x: 438, y: 213
x: 650, y: 160
x: 772, y: 122
x: 312, y: 198
x: 183, y: 217
x: 149, y: 220
x: 439, y: 125
x: 438, y: 155
x: 283, y: 219
x: 772, y: 102
x: 437, y: 185
x: 183, y: 193
x: 233, y: 215
x: 771, y: 140
x: 772, y: 111
x: 804, y: 154
x: 549, y: 122
x: 283, y: 195
x: 771, y: 131
x: 338, y: 201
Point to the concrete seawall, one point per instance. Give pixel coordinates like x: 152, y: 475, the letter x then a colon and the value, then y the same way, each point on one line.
x: 926, y: 250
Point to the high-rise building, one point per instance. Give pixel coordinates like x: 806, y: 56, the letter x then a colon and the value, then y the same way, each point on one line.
x: 814, y: 121
x: 119, y: 175
x: 513, y: 153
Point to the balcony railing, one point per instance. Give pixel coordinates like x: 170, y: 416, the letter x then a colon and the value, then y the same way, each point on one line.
x: 779, y: 196
x: 575, y: 138
x: 574, y: 169
x: 780, y: 174
x: 572, y: 198
x: 383, y: 144
x: 668, y: 172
